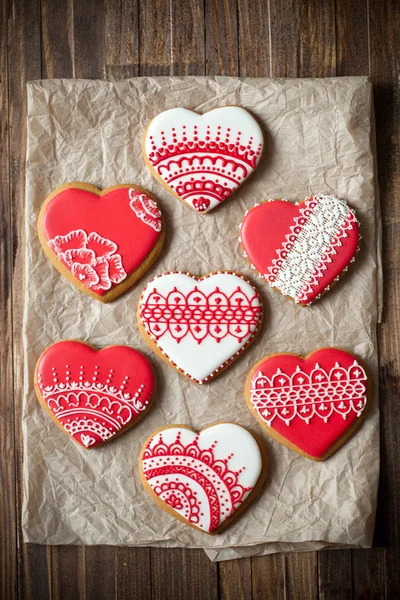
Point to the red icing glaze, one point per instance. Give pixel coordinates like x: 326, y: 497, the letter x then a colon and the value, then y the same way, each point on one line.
x: 265, y: 230
x: 128, y: 230
x: 287, y: 391
x: 92, y: 393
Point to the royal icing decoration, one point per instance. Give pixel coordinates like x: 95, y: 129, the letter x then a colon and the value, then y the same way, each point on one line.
x: 310, y: 403
x: 100, y: 238
x: 203, y: 158
x: 204, y: 477
x: 92, y: 394
x: 93, y: 260
x: 146, y: 209
x: 200, y: 324
x: 301, y: 249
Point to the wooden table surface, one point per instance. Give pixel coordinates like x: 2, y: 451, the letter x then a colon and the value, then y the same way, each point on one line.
x: 126, y: 38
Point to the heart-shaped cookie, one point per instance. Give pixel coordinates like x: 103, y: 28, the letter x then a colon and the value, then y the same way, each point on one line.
x: 301, y: 249
x: 202, y: 159
x: 203, y: 479
x: 311, y: 404
x: 94, y: 395
x: 101, y: 241
x: 199, y: 325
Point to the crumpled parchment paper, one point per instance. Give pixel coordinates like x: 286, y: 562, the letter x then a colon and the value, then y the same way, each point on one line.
x: 318, y: 139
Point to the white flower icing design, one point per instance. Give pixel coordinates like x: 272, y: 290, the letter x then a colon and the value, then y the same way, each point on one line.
x: 92, y: 259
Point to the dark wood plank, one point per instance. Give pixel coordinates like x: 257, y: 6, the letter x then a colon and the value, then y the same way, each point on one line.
x: 254, y: 40
x: 8, y: 517
x: 235, y: 579
x: 68, y: 577
x: 133, y: 566
x: 100, y: 572
x: 303, y: 42
x: 352, y: 46
x: 155, y: 37
x: 88, y: 39
x: 301, y: 576
x: 392, y: 573
x: 384, y: 63
x: 369, y: 574
x: 182, y: 575
x: 34, y: 562
x: 57, y: 39
x: 335, y: 575
x: 221, y: 37
x: 187, y: 37
x: 35, y: 575
x: 268, y: 577
x: 122, y: 38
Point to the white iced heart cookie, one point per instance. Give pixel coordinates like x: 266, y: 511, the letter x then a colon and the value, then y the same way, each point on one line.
x: 199, y: 325
x: 203, y: 479
x: 202, y: 159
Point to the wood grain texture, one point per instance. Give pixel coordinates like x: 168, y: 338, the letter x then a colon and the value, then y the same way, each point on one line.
x: 121, y: 38
x: 368, y: 574
x: 100, y: 580
x: 67, y: 573
x: 182, y: 575
x: 155, y: 46
x: 254, y: 39
x: 221, y: 37
x: 303, y: 41
x: 88, y: 39
x: 24, y: 63
x: 187, y: 37
x: 8, y: 500
x: 384, y: 64
x: 57, y: 39
x: 269, y: 577
x: 235, y: 579
x: 133, y: 567
x: 335, y: 575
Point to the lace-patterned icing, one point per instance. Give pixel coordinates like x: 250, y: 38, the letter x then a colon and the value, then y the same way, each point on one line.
x: 313, y: 239
x: 308, y: 396
x: 200, y: 324
x: 189, y: 477
x: 309, y: 404
x: 90, y: 401
x: 312, y: 255
x: 204, y: 158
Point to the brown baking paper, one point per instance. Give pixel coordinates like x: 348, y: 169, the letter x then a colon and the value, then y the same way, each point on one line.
x: 318, y: 139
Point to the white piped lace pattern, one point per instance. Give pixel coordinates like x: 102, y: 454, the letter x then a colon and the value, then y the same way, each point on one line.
x: 309, y: 248
x: 305, y: 396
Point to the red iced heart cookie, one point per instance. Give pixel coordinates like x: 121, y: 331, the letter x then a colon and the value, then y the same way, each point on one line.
x: 203, y: 479
x: 94, y: 395
x: 101, y: 241
x: 202, y: 159
x: 301, y: 249
x: 311, y: 404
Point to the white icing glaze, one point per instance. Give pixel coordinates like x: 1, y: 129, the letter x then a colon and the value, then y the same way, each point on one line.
x: 197, y: 344
x: 206, y: 156
x: 226, y: 444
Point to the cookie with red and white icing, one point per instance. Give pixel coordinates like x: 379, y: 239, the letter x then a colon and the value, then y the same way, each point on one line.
x: 203, y: 479
x: 101, y: 241
x: 199, y: 325
x: 310, y: 404
x: 94, y: 395
x: 301, y: 249
x: 202, y: 159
